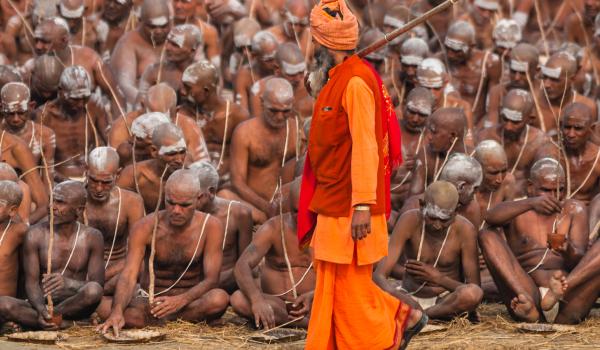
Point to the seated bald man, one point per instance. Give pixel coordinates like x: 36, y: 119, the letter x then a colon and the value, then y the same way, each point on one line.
x: 183, y: 45
x: 159, y: 98
x: 16, y: 119
x: 433, y: 75
x: 442, y: 273
x: 556, y: 88
x: 235, y: 217
x: 277, y: 297
x: 138, y: 49
x: 78, y: 120
x: 138, y: 146
x: 45, y: 78
x: 579, y: 156
x: 413, y: 118
x: 259, y: 157
x: 75, y: 283
x: 216, y: 116
x: 13, y: 236
x: 52, y: 37
x: 7, y: 173
x: 443, y: 137
x: 521, y: 141
x: 168, y: 151
x: 263, y: 48
x: 186, y: 263
x: 290, y: 65
x: 544, y: 239
x: 111, y: 210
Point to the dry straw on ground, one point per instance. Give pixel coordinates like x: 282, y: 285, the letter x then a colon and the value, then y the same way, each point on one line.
x: 495, y: 331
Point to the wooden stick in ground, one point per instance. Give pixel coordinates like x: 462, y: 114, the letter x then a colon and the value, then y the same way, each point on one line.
x: 153, y: 242
x: 51, y: 214
x: 408, y: 26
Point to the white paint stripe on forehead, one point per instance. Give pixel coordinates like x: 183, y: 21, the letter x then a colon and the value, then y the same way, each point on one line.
x: 189, y: 77
x: 293, y: 69
x: 411, y: 60
x: 506, y: 44
x: 456, y: 44
x: 78, y: 93
x: 174, y: 148
x: 488, y: 5
x: 419, y: 106
x: 431, y: 83
x: 433, y: 211
x: 552, y: 72
x: 519, y: 66
x: 15, y: 106
x: 393, y: 21
x: 71, y: 14
x: 511, y: 114
x: 98, y: 158
x: 159, y: 21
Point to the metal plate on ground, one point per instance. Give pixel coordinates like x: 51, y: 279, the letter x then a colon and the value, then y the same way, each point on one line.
x: 134, y: 336
x: 41, y: 337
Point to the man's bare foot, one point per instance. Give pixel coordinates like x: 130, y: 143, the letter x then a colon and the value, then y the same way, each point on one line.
x: 557, y: 287
x: 524, y: 308
x: 413, y: 318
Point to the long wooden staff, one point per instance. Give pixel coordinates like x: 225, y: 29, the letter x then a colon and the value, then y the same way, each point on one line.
x: 408, y: 26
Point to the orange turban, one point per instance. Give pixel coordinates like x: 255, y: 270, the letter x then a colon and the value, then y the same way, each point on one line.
x: 337, y: 31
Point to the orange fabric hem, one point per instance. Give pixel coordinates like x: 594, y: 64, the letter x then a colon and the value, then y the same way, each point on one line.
x: 401, y: 320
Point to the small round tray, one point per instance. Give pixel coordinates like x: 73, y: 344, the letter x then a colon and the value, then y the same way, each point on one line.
x: 134, y: 336
x: 40, y: 337
x: 536, y: 327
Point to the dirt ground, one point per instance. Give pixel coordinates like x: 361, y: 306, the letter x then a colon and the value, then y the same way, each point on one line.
x: 494, y: 332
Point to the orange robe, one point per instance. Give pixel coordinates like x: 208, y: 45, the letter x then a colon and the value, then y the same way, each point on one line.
x: 349, y: 311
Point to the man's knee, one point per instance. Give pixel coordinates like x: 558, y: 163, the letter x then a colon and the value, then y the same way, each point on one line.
x: 238, y: 302
x: 92, y: 293
x: 486, y: 237
x: 469, y: 296
x: 218, y: 299
x: 8, y: 308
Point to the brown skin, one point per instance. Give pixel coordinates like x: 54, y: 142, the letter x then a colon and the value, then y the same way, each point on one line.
x: 91, y: 39
x: 513, y: 145
x: 75, y: 295
x: 7, y: 11
x: 10, y: 249
x: 101, y: 212
x: 212, y: 118
x: 497, y: 93
x: 255, y: 299
x: 302, y: 100
x: 256, y: 154
x: 551, y: 11
x: 195, y: 297
x: 247, y: 76
x: 17, y: 41
x: 131, y: 56
x: 184, y: 13
x: 527, y: 224
x: 148, y: 175
x: 119, y: 20
x: 469, y: 211
x: 483, y: 21
x: 67, y: 117
x: 457, y: 262
x: 16, y: 154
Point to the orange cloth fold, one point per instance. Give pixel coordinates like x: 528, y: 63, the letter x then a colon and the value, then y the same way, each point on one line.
x: 351, y: 312
x: 335, y: 28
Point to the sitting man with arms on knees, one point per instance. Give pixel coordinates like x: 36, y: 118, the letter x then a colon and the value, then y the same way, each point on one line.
x: 235, y: 217
x: 187, y: 263
x: 75, y: 283
x: 168, y: 152
x: 263, y: 151
x: 287, y: 280
x: 13, y: 235
x: 544, y: 239
x: 442, y: 273
x: 111, y: 210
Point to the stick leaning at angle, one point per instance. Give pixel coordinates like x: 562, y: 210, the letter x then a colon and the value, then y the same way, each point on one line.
x: 153, y: 243
x: 408, y: 26
x: 51, y: 214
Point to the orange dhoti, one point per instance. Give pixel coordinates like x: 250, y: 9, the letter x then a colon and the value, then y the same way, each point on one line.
x: 350, y: 312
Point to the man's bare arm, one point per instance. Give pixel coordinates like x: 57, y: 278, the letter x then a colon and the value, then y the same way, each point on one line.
x: 124, y: 61
x: 505, y: 212
x: 417, y: 183
x: 245, y: 225
x: 469, y: 253
x: 250, y: 258
x: 25, y: 162
x: 239, y: 170
x: 31, y: 264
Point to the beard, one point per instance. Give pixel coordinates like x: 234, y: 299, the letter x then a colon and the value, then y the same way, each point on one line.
x: 319, y: 75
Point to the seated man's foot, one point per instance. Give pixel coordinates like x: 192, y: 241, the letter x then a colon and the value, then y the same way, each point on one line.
x: 473, y: 317
x: 414, y: 329
x: 524, y: 308
x: 9, y: 328
x: 557, y: 287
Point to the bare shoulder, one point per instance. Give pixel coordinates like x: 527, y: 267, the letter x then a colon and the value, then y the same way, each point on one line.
x: 20, y: 229
x: 408, y: 222
x: 130, y: 196
x: 240, y: 209
x: 464, y: 226
x: 239, y: 113
x: 37, y: 231
x: 92, y: 233
x: 573, y: 207
x: 244, y: 128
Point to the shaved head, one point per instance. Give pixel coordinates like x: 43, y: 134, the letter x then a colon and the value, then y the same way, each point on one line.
x: 452, y: 118
x: 559, y: 65
x: 54, y: 31
x: 161, y: 98
x: 15, y: 97
x: 186, y: 35
x: 46, y: 73
x: 264, y: 44
x: 9, y: 74
x: 71, y: 9
x: 460, y: 36
x: 578, y: 110
x: 243, y: 32
x: 441, y: 200
x: 413, y: 51
x: 168, y: 138
x: 72, y: 192
x: 368, y: 37
x: 465, y: 173
x: 183, y: 182
x: 517, y: 105
x: 155, y: 12
x: 278, y: 90
x: 144, y: 125
x: 202, y: 72
x: 290, y: 59
x: 547, y: 169
x: 207, y: 175
x: 103, y: 160
x: 10, y: 193
x: 431, y: 73
x: 75, y: 82
x: 420, y: 100
x: 488, y: 150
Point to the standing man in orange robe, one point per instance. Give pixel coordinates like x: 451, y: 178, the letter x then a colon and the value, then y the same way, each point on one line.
x: 354, y: 144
